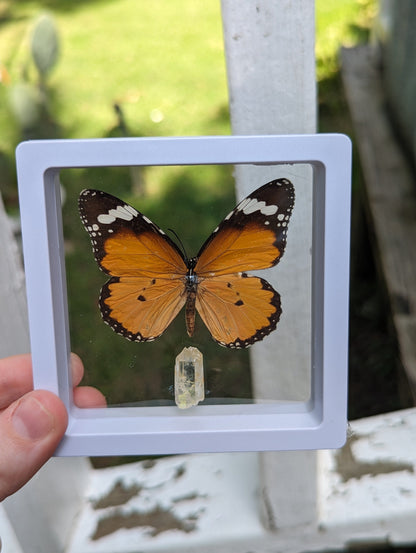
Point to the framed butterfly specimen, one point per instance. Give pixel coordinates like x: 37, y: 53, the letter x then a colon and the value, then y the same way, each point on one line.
x: 251, y: 238
x: 152, y: 279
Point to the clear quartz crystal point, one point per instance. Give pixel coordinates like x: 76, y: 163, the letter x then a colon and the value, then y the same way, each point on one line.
x: 189, y: 378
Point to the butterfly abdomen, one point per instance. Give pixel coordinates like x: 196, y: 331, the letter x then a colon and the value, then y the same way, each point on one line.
x: 191, y: 286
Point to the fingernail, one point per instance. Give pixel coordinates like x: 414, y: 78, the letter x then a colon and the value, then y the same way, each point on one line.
x: 31, y: 420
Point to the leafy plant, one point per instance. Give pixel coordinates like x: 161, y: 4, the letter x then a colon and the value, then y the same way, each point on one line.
x: 44, y: 46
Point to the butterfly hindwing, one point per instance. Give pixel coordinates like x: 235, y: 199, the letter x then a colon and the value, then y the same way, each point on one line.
x: 146, y: 290
x: 141, y: 308
x: 238, y: 309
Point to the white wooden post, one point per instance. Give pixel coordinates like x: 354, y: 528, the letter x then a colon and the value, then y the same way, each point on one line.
x: 272, y: 88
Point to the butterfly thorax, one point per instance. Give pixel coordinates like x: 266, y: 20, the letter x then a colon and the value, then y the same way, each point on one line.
x: 191, y: 285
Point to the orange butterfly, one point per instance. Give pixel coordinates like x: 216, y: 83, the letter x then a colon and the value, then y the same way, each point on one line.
x: 151, y: 279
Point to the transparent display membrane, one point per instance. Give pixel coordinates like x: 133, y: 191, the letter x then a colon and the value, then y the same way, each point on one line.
x: 192, y: 201
x: 288, y: 391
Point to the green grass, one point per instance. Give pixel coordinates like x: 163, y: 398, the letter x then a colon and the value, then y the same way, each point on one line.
x: 164, y: 58
x: 163, y: 55
x: 163, y: 63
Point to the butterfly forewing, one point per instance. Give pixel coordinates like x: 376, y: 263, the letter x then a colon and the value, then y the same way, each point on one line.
x: 253, y: 235
x: 240, y: 310
x: 126, y: 242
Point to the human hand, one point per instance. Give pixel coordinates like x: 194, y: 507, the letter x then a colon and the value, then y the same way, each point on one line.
x: 32, y: 422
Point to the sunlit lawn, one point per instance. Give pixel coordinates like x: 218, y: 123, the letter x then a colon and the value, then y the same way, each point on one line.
x: 160, y: 60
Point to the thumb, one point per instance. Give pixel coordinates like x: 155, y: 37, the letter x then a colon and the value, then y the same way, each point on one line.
x: 30, y: 430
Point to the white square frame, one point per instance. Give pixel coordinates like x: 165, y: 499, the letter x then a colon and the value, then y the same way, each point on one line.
x: 319, y: 423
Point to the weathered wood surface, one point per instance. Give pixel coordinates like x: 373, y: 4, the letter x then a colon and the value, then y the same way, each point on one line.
x: 208, y: 503
x: 390, y: 194
x: 399, y: 62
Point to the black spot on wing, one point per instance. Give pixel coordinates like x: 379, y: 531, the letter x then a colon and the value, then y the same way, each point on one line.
x: 115, y: 325
x: 262, y: 332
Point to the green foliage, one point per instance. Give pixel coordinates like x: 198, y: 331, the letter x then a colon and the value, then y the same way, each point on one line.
x: 28, y: 95
x: 340, y: 23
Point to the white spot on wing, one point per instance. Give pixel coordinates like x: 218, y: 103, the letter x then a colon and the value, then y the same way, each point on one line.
x: 269, y: 209
x: 254, y: 205
x: 131, y: 209
x: 243, y: 204
x: 106, y: 219
x: 121, y: 212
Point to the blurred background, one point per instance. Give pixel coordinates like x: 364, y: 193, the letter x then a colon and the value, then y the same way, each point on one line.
x: 114, y: 68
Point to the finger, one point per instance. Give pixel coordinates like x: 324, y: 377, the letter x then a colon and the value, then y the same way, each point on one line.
x: 77, y: 369
x: 15, y: 378
x: 86, y: 396
x: 30, y: 429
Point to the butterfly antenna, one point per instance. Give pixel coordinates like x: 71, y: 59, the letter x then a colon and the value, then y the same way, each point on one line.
x: 180, y: 243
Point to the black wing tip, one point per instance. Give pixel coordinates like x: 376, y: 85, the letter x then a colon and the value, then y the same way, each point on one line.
x: 88, y: 192
x: 282, y: 183
x: 91, y: 192
x: 83, y: 198
x: 286, y: 183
